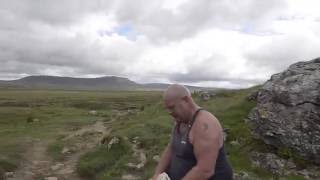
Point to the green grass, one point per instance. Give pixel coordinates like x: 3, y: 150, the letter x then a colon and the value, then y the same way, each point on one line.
x: 54, y: 150
x: 102, y: 162
x: 56, y: 112
x: 136, y: 114
x: 153, y: 127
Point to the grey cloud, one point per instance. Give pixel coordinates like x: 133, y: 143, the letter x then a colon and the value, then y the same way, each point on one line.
x: 53, y: 12
x: 146, y: 17
x: 193, y: 16
x: 213, y: 69
x: 31, y: 54
x: 29, y: 44
x: 196, y: 78
x: 282, y: 52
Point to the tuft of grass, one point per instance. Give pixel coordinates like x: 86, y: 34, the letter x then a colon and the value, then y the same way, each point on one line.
x: 8, y: 165
x: 54, y: 150
x: 102, y: 160
x: 11, y: 154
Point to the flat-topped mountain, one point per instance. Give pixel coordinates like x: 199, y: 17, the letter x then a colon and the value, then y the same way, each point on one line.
x: 71, y: 83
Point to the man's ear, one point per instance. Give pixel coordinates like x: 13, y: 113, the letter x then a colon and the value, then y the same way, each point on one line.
x: 185, y: 98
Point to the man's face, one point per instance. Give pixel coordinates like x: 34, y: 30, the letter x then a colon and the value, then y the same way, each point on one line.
x: 175, y: 109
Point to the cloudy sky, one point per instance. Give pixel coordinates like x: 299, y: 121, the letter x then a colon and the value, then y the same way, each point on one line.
x: 218, y: 43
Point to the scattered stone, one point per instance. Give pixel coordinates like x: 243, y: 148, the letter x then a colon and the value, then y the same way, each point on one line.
x: 31, y: 120
x: 40, y: 163
x: 225, y: 133
x: 65, y: 171
x: 242, y: 175
x: 269, y: 161
x: 135, y: 140
x: 74, y: 128
x: 156, y: 158
x: 93, y: 112
x: 51, y: 178
x: 9, y: 174
x: 131, y: 165
x: 205, y: 96
x: 65, y: 150
x: 114, y: 140
x: 143, y: 159
x: 130, y: 177
x: 28, y: 173
x: 306, y: 174
x: 290, y: 164
x: 56, y: 167
x: 253, y: 96
x: 283, y: 167
x: 235, y: 143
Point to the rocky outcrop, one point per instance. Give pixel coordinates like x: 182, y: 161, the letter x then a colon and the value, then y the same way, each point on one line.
x: 287, y: 114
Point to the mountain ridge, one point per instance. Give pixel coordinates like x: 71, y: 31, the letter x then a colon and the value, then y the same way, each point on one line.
x: 75, y: 83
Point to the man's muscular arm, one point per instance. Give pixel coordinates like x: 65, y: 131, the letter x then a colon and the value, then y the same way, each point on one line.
x: 206, y: 143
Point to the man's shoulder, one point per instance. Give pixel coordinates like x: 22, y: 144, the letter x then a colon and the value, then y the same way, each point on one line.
x: 207, y: 119
x: 206, y: 116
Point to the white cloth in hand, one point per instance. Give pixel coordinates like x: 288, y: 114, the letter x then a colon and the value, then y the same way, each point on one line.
x: 163, y: 176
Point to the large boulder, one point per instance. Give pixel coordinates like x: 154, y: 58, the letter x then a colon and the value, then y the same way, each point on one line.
x: 287, y: 114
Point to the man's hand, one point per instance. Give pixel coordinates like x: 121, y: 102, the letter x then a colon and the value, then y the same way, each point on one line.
x: 162, y: 176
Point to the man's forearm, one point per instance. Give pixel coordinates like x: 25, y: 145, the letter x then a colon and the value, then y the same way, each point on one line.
x: 197, y: 174
x: 164, y: 161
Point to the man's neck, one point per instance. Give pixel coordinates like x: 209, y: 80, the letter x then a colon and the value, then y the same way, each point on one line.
x: 193, y: 111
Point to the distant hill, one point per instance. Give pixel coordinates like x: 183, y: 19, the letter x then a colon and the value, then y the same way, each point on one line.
x: 70, y: 83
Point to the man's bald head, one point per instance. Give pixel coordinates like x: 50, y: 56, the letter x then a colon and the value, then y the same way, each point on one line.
x: 176, y: 91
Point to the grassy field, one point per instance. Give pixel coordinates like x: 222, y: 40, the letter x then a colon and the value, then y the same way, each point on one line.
x: 133, y: 117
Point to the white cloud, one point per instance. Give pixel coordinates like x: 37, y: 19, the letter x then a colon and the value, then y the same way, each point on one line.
x: 214, y: 43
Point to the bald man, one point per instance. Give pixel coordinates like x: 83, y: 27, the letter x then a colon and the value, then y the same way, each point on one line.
x: 195, y: 151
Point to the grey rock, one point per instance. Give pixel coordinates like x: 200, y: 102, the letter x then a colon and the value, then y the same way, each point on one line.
x: 56, y: 167
x: 242, y: 175
x: 269, y: 161
x: 93, y: 112
x: 253, y: 96
x: 51, y: 178
x: 206, y: 95
x: 225, y: 133
x: 235, y: 143
x: 65, y: 150
x: 282, y: 167
x: 306, y: 174
x: 114, y: 140
x: 287, y: 114
x: 130, y: 177
x: 9, y: 174
x: 156, y: 158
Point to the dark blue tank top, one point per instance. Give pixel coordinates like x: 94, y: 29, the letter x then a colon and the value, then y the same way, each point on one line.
x: 183, y: 158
